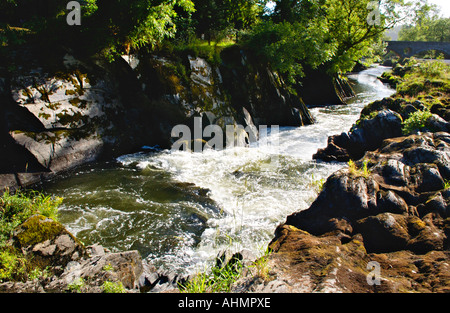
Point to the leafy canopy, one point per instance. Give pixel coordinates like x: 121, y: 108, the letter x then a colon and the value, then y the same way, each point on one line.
x: 333, y: 34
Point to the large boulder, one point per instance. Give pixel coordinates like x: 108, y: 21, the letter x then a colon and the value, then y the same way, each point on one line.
x: 384, y: 232
x: 344, y: 196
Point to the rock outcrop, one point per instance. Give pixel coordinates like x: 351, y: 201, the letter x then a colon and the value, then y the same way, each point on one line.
x: 379, y: 121
x: 394, y: 215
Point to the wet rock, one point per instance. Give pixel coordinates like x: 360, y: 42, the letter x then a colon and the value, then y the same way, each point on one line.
x: 367, y: 136
x: 334, y: 151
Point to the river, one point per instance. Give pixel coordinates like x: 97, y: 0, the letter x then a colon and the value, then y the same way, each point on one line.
x: 180, y: 209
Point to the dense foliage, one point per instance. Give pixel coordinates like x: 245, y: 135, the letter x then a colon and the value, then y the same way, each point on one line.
x: 287, y: 34
x: 426, y: 24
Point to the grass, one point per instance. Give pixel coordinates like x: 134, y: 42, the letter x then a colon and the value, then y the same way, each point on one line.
x: 424, y: 78
x: 317, y: 184
x: 200, y: 48
x: 416, y: 122
x: 446, y: 184
x: 16, y: 208
x: 261, y: 265
x: 363, y: 171
x: 219, y: 279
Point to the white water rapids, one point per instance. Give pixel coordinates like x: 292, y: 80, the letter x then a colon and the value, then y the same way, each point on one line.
x: 253, y: 194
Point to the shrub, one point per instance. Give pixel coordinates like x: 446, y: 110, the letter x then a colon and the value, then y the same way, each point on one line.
x: 18, y: 207
x: 13, y: 266
x: 77, y: 286
x: 416, y: 122
x: 113, y: 287
x: 219, y: 279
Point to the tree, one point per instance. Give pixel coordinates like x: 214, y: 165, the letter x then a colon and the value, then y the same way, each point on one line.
x: 332, y: 34
x: 426, y: 25
x: 295, y: 11
x: 132, y: 24
x: 114, y: 26
x: 215, y: 16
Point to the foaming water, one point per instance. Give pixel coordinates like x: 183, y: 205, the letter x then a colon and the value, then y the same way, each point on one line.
x: 180, y: 209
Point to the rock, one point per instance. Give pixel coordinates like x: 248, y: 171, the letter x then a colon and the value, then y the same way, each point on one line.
x: 426, y: 178
x: 47, y: 242
x: 393, y: 212
x: 125, y: 267
x: 367, y: 136
x: 95, y: 250
x: 384, y: 233
x: 437, y: 124
x: 428, y: 237
x: 302, y: 262
x: 227, y: 258
x: 333, y: 151
x: 74, y: 110
x: 319, y: 88
x: 391, y: 202
x: 21, y: 287
x: 344, y: 196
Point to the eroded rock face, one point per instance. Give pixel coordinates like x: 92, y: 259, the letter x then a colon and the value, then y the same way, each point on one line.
x: 304, y: 263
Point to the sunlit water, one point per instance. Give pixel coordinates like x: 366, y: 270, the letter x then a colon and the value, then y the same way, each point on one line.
x: 181, y: 209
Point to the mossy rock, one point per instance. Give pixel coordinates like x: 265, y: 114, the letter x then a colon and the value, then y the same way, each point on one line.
x: 37, y: 229
x: 47, y: 243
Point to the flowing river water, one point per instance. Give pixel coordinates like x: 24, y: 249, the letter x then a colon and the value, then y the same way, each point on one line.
x: 181, y: 209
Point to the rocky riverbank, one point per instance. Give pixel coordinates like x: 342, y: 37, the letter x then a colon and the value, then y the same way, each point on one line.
x: 380, y: 225
x: 387, y: 212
